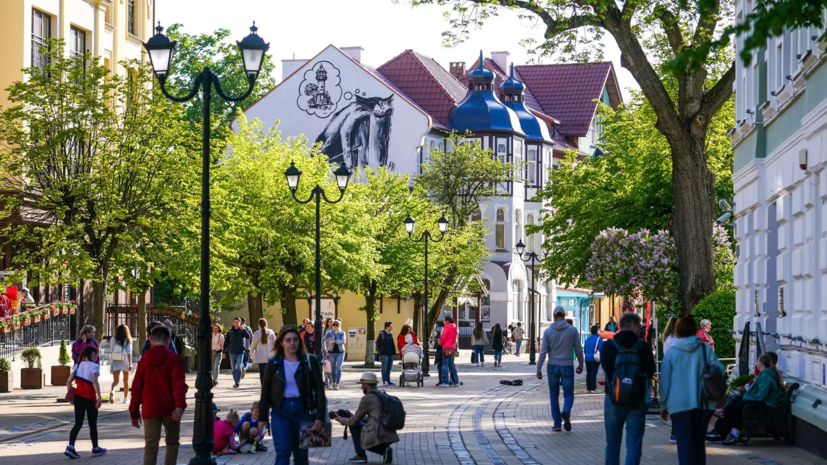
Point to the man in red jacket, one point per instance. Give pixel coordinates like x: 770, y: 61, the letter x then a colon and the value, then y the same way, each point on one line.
x: 163, y: 398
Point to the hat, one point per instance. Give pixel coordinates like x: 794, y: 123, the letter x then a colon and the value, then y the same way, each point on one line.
x: 25, y: 289
x: 215, y: 408
x: 368, y: 377
x: 559, y: 311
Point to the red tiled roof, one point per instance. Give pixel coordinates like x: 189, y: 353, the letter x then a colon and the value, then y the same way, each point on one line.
x: 425, y: 82
x: 566, y: 91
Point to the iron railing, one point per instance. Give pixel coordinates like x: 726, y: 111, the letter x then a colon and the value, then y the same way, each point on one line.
x: 128, y: 314
x: 48, y: 331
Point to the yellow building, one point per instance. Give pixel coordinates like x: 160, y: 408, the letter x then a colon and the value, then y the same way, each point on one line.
x: 111, y: 30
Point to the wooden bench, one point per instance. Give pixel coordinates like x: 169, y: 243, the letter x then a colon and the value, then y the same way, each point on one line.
x: 777, y: 421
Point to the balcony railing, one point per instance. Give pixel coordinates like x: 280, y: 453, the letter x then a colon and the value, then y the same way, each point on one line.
x: 34, y: 327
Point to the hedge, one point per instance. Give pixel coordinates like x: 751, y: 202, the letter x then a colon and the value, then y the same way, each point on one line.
x: 719, y: 308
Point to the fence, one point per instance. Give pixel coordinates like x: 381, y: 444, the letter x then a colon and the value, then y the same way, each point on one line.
x: 183, y: 324
x: 46, y: 325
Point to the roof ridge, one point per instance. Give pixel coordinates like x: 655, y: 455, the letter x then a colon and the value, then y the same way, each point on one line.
x: 422, y: 65
x: 565, y: 64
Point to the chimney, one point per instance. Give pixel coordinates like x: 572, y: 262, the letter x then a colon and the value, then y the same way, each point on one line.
x: 501, y: 59
x: 457, y: 69
x: 354, y: 52
x: 289, y: 67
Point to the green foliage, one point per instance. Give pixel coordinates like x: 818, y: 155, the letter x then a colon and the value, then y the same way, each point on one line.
x: 5, y: 365
x: 719, y: 308
x: 63, y: 357
x: 32, y: 357
x: 741, y: 380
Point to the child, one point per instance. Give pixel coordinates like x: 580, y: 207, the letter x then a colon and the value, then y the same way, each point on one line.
x: 328, y: 373
x: 87, y: 400
x: 224, y: 431
x: 248, y: 430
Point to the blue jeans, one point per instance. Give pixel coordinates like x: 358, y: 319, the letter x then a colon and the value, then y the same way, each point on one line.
x: 519, y: 343
x: 235, y: 361
x: 387, y: 365
x: 480, y: 351
x: 216, y: 364
x: 498, y: 356
x: 336, y: 366
x: 246, y: 359
x: 635, y: 421
x: 449, y: 371
x: 689, y: 429
x: 356, y: 434
x: 560, y: 375
x: 285, y: 425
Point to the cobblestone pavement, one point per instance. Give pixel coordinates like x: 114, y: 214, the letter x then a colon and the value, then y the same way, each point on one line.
x: 482, y: 422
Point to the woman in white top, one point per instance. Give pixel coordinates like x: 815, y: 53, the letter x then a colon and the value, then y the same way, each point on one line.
x: 217, y: 352
x: 121, y: 362
x: 669, y: 334
x: 263, y: 346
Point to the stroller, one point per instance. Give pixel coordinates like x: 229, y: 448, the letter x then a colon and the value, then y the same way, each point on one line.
x: 411, y: 366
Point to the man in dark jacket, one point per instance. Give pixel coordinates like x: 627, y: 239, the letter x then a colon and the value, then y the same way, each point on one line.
x: 164, y: 398
x: 386, y: 349
x: 611, y: 326
x: 247, y: 342
x: 235, y: 346
x: 175, y: 342
x: 615, y: 417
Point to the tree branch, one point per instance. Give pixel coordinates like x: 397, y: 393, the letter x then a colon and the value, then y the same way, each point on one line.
x: 706, y: 25
x: 671, y: 27
x: 716, y: 97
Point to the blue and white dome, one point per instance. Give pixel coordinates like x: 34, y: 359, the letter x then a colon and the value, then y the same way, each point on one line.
x: 513, y: 93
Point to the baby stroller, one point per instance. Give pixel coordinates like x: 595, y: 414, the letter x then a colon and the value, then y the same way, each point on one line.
x: 411, y: 366
x: 328, y: 375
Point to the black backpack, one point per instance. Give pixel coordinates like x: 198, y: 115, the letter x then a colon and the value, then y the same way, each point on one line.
x: 627, y: 389
x: 392, y: 414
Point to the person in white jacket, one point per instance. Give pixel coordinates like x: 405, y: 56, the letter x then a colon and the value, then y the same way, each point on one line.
x: 262, y: 347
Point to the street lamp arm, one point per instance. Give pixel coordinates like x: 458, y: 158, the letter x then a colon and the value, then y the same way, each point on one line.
x: 312, y: 195
x: 195, y: 86
x: 324, y: 196
x: 251, y: 81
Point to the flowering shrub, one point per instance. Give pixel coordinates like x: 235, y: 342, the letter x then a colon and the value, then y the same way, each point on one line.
x: 611, y: 268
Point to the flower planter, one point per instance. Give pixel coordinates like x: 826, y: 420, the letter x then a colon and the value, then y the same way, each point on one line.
x: 55, y: 312
x: 4, y: 330
x: 64, y: 311
x: 36, y: 319
x: 31, y: 378
x: 16, y: 326
x: 45, y: 316
x: 60, y: 374
x: 27, y: 322
x: 6, y: 381
x: 71, y: 311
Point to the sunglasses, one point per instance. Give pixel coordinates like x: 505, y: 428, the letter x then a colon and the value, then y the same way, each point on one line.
x: 286, y: 327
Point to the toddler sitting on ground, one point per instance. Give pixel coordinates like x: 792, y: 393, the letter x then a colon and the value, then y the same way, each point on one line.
x: 224, y: 431
x: 249, y: 431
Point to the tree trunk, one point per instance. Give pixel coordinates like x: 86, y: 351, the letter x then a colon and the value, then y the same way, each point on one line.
x: 691, y: 224
x: 141, y: 319
x: 436, y: 310
x: 370, y: 314
x: 417, y: 313
x: 254, y: 308
x: 288, y: 305
x: 98, y: 302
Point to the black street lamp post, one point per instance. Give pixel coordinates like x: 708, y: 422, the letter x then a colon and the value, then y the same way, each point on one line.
x: 293, y: 175
x: 442, y: 223
x: 530, y: 257
x: 160, y: 50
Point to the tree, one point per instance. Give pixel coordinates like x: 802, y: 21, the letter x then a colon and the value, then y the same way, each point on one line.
x: 460, y: 180
x: 650, y: 35
x: 87, y: 156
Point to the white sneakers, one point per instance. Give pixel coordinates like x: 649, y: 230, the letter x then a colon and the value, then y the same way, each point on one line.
x: 335, y: 386
x: 126, y: 400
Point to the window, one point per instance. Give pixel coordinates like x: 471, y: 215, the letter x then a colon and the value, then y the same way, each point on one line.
x: 531, y: 166
x: 529, y: 245
x: 486, y: 299
x: 516, y: 296
x: 779, y: 65
x: 477, y: 216
x: 77, y: 41
x: 109, y: 16
x: 41, y: 30
x: 502, y: 151
x: 518, y: 225
x: 420, y: 159
x: 500, y: 229
x: 567, y: 303
x: 130, y: 17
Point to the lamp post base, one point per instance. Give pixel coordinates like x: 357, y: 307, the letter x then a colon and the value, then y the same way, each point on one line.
x: 532, y: 362
x: 202, y: 461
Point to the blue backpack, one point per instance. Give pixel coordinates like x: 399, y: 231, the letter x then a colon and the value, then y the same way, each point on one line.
x: 628, y: 386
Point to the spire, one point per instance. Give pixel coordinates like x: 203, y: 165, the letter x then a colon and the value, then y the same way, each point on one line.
x: 512, y: 86
x: 480, y: 75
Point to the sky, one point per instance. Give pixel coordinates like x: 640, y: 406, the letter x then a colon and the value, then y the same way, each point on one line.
x: 301, y: 29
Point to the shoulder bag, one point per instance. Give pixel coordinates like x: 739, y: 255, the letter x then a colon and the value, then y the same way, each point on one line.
x: 596, y: 354
x: 118, y: 355
x: 70, y: 392
x: 715, y: 384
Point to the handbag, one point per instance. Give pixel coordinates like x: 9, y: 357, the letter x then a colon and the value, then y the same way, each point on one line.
x: 70, y: 392
x: 448, y: 351
x: 597, y: 351
x: 715, y: 384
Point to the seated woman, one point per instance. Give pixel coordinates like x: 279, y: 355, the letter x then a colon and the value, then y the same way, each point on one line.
x: 724, y: 424
x: 767, y: 390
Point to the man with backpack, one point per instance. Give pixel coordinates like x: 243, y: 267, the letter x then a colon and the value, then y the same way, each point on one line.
x: 374, y: 425
x: 629, y: 365
x: 560, y: 340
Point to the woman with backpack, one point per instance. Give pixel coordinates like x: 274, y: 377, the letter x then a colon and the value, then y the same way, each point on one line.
x: 87, y: 338
x: 683, y: 395
x: 121, y: 362
x: 478, y: 342
x: 293, y: 389
x: 592, y: 352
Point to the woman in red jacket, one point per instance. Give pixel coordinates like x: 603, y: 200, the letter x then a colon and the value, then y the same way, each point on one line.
x: 703, y: 334
x: 448, y: 341
x: 406, y: 336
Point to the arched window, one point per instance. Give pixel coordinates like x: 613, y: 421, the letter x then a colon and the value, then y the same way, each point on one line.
x: 529, y: 243
x: 500, y: 229
x: 518, y: 226
x: 517, y: 298
x: 477, y: 216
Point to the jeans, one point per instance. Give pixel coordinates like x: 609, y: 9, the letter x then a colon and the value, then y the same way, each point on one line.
x: 480, y: 351
x: 449, y: 370
x: 356, y: 434
x: 498, y: 356
x: 84, y: 406
x: 519, y: 344
x: 261, y: 368
x: 635, y: 421
x: 387, y: 365
x: 591, y: 375
x: 152, y: 437
x: 285, y: 426
x: 216, y: 364
x: 246, y: 360
x: 336, y: 366
x: 560, y: 375
x: 236, y: 361
x: 690, y: 431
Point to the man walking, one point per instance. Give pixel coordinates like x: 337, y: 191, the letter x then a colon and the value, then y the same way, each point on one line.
x: 386, y: 348
x: 633, y: 413
x: 519, y: 333
x: 159, y: 386
x: 234, y: 344
x: 611, y: 326
x: 367, y: 431
x: 247, y: 342
x: 559, y: 341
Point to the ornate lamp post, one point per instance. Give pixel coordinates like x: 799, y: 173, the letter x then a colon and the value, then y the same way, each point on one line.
x: 293, y: 175
x: 160, y: 50
x: 442, y: 223
x: 530, y: 257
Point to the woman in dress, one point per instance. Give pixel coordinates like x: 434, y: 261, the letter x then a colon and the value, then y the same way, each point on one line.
x: 121, y: 362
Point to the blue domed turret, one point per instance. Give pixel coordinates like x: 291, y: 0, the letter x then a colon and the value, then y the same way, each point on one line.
x: 481, y: 111
x: 513, y: 94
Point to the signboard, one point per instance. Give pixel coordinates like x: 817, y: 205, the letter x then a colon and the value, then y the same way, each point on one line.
x: 486, y: 313
x: 328, y: 309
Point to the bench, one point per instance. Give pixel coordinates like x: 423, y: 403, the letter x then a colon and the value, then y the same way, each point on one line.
x: 776, y: 420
